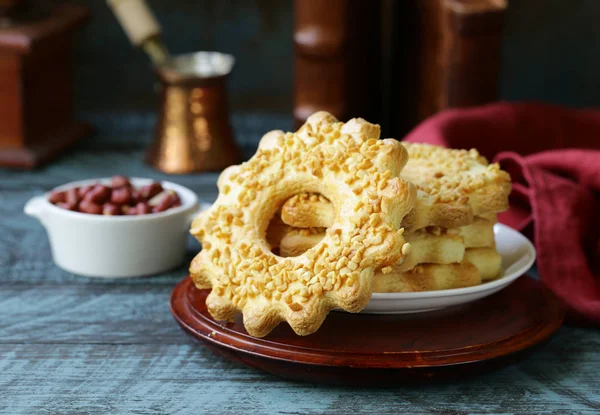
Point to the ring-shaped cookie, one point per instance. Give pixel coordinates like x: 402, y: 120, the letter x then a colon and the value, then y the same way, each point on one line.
x: 347, y: 164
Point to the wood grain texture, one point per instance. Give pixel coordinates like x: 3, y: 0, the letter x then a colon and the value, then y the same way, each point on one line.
x: 87, y: 314
x: 73, y: 345
x: 158, y: 379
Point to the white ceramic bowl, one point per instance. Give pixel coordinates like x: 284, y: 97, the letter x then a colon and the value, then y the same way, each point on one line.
x: 518, y: 255
x: 116, y: 246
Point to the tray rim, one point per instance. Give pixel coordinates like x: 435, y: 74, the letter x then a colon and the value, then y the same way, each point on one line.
x: 259, y: 347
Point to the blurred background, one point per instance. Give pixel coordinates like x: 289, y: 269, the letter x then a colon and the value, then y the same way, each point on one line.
x: 392, y: 62
x: 549, y: 52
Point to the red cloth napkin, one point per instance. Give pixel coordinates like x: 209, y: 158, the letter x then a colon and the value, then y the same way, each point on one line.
x: 553, y: 157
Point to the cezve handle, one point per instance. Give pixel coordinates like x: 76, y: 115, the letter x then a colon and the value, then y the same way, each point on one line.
x: 141, y: 27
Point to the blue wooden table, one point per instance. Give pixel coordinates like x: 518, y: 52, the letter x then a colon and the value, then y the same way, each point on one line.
x: 70, y: 344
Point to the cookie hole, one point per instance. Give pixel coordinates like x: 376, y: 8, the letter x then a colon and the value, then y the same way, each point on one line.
x: 275, y: 232
x: 290, y: 241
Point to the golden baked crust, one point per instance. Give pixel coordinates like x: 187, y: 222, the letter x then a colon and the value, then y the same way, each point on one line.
x: 479, y: 234
x: 297, y: 241
x: 490, y: 217
x: 276, y: 231
x: 453, y: 186
x: 431, y: 247
x: 487, y: 260
x: 308, y: 210
x: 428, y: 277
x: 346, y: 163
x: 426, y: 246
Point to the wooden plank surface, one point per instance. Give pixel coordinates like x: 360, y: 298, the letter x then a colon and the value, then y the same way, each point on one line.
x: 178, y: 378
x: 78, y: 345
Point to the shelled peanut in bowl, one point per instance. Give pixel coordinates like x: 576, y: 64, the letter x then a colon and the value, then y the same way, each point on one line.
x: 119, y: 197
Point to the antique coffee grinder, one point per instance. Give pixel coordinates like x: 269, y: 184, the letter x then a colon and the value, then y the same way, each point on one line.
x: 36, y: 107
x: 193, y: 132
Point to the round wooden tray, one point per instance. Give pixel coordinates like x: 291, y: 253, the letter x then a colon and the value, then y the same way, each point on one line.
x: 380, y: 350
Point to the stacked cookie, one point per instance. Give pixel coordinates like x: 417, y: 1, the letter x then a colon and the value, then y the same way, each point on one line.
x: 320, y: 218
x: 450, y: 228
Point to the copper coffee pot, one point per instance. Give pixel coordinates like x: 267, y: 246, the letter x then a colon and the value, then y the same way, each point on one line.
x: 192, y: 132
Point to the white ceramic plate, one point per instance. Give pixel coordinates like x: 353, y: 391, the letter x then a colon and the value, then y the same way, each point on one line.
x: 518, y: 255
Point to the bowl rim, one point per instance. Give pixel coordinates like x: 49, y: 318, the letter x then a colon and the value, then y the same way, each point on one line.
x: 189, y: 201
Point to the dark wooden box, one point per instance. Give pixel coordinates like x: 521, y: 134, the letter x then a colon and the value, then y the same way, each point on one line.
x: 36, y: 105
